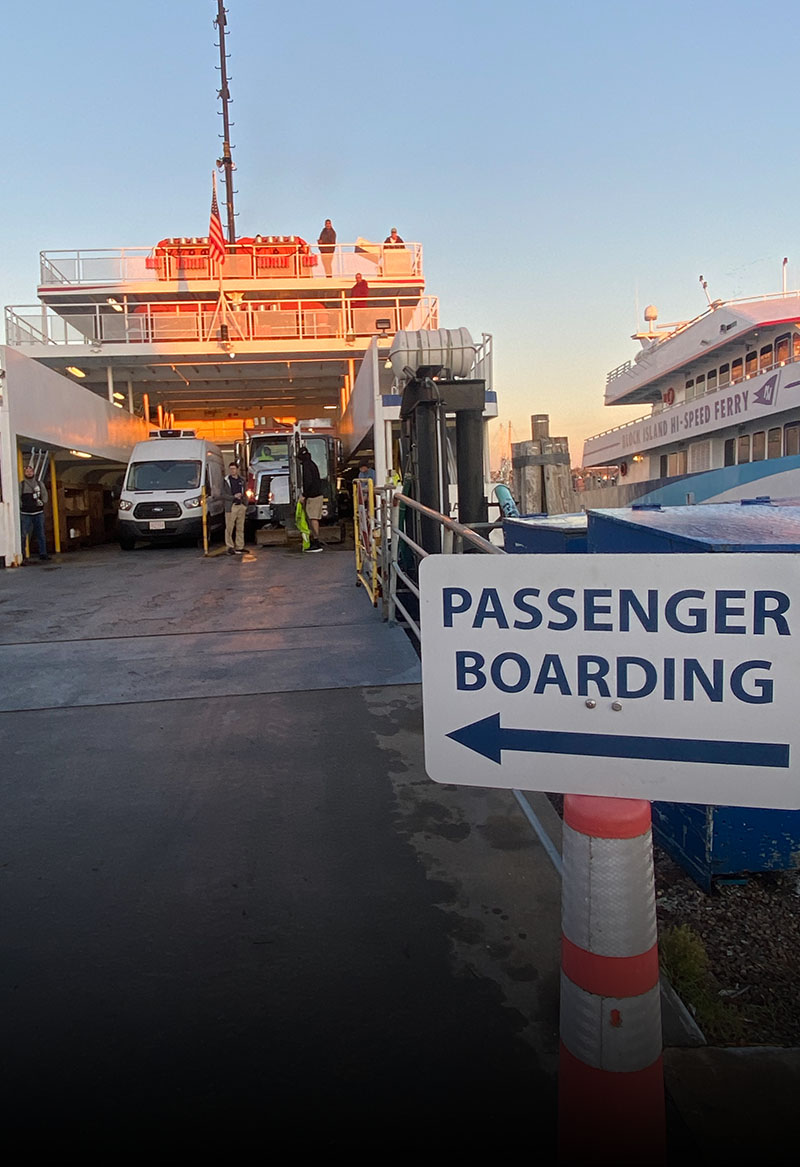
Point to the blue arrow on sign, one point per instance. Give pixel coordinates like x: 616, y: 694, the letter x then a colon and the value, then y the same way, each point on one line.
x: 487, y: 737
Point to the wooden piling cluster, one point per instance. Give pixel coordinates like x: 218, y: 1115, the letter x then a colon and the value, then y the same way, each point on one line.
x: 541, y: 475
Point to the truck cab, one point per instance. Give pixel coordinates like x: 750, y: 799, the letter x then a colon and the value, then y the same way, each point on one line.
x: 274, y: 484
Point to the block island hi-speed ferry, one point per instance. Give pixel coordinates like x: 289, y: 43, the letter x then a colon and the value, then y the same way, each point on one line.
x: 724, y: 397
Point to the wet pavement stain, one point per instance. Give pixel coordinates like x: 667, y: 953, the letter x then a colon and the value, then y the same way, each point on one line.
x: 507, y: 834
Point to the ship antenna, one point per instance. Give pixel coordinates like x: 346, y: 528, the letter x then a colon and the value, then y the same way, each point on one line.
x: 225, y: 163
x: 704, y: 286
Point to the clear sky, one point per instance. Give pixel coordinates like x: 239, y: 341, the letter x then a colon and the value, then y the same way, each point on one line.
x: 561, y: 163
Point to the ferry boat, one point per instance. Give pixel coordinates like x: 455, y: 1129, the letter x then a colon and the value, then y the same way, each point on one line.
x: 262, y: 330
x: 723, y: 391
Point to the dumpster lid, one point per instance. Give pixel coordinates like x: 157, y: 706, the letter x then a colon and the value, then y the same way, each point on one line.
x: 760, y: 526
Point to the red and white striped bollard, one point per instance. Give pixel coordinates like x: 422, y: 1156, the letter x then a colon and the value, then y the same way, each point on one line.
x: 611, y: 1082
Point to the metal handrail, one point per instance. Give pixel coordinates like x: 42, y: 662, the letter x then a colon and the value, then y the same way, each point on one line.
x: 258, y: 259
x: 141, y: 322
x: 457, y: 531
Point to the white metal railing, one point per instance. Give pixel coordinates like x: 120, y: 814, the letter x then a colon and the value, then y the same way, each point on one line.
x: 453, y: 536
x: 131, y: 322
x: 619, y: 371
x: 253, y: 258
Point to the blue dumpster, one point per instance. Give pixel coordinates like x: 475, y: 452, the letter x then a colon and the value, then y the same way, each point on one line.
x: 711, y: 841
x: 545, y: 534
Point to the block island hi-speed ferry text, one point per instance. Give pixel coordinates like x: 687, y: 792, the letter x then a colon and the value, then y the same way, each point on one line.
x: 668, y: 677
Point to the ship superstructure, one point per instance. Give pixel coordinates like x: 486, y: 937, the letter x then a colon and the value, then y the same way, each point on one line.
x: 724, y: 397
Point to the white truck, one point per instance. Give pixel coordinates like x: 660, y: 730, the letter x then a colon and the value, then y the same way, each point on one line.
x: 273, y: 483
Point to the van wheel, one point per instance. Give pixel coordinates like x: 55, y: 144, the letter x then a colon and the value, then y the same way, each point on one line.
x: 127, y: 544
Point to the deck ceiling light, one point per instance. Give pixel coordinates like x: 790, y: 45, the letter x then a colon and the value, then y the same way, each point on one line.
x: 115, y: 304
x: 75, y: 372
x: 79, y: 454
x: 119, y: 396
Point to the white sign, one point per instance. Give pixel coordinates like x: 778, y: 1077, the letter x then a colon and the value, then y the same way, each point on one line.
x: 671, y: 677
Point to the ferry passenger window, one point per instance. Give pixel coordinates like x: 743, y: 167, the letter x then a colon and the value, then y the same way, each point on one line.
x: 689, y: 390
x: 791, y: 439
x: 737, y: 371
x: 759, y: 446
x: 676, y: 463
x: 782, y: 349
x: 711, y: 382
x: 729, y: 456
x: 796, y: 346
x: 750, y: 364
x: 774, y: 443
x: 765, y: 357
x: 700, y: 385
x: 743, y: 449
x: 724, y: 375
x: 662, y: 472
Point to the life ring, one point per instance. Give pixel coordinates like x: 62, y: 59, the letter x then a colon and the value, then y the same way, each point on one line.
x: 623, y: 469
x: 669, y: 397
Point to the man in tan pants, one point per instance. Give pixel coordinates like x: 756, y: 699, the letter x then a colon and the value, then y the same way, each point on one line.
x: 235, y: 510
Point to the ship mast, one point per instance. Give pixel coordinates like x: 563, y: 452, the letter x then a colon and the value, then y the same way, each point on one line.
x: 225, y: 163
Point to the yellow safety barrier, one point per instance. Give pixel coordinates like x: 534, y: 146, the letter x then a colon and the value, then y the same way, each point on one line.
x: 367, y: 538
x: 205, y: 518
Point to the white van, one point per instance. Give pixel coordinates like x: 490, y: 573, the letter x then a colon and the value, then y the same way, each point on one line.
x: 161, y: 493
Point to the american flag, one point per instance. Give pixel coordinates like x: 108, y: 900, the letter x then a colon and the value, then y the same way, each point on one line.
x: 216, y: 239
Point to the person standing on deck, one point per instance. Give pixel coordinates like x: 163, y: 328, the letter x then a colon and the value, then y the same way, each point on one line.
x: 312, y: 497
x: 32, y: 499
x: 359, y: 292
x: 393, y: 239
x: 326, y: 241
x: 235, y: 510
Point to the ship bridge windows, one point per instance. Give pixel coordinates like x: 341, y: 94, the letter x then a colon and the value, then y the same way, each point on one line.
x: 774, y: 442
x: 737, y: 370
x: 750, y: 363
x: 782, y: 349
x: 765, y: 357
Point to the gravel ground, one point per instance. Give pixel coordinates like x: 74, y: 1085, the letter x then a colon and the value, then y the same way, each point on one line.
x: 751, y: 933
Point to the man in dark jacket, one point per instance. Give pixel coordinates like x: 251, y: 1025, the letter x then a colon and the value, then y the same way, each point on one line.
x: 359, y: 292
x: 326, y: 241
x: 235, y: 510
x: 32, y: 499
x: 312, y: 497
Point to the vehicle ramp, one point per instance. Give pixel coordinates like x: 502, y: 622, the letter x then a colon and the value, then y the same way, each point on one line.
x: 237, y: 913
